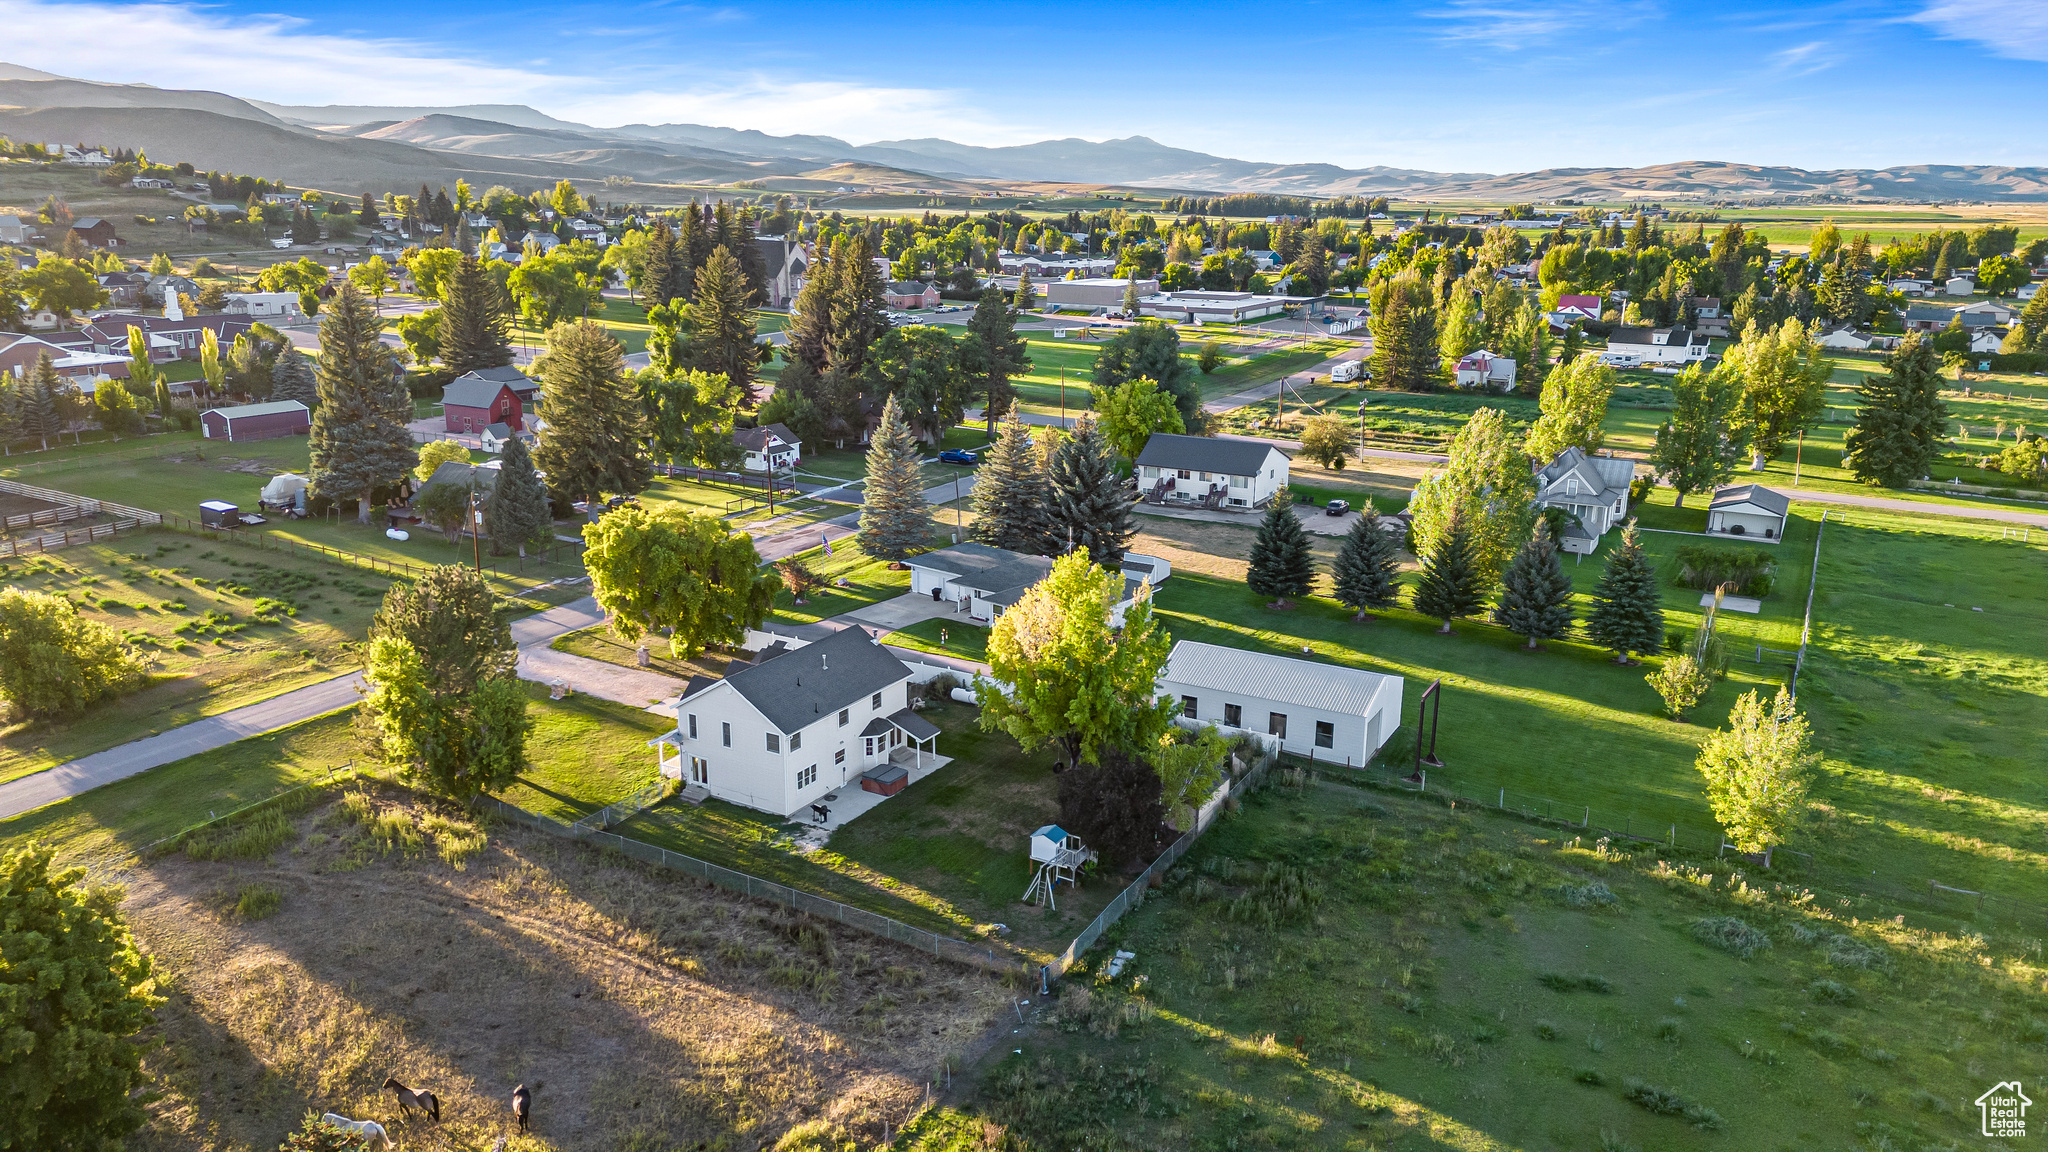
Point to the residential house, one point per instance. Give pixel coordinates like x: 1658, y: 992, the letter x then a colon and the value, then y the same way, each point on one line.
x: 1630, y: 347
x: 162, y: 289
x: 1848, y: 338
x: 786, y: 264
x: 1987, y: 340
x: 497, y: 436
x: 908, y: 294
x: 1211, y: 472
x: 541, y: 239
x: 1201, y: 306
x: 1985, y: 314
x: 1324, y: 711
x: 256, y: 421
x: 1910, y: 287
x: 982, y: 580
x: 1593, y: 489
x: 1960, y: 286
x: 589, y: 230
x: 474, y: 401
x: 1709, y: 318
x: 1483, y: 369
x: 1096, y: 292
x: 1750, y: 511
x: 1579, y: 307
x: 13, y: 231
x: 2026, y: 292
x: 95, y: 232
x: 108, y: 331
x: 89, y: 157
x: 265, y: 305
x: 151, y: 182
x: 124, y: 288
x: 799, y: 721
x: 1927, y: 317
x: 769, y: 448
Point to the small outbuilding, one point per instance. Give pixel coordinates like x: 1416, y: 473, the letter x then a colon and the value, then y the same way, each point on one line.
x: 1325, y: 711
x: 256, y: 421
x: 219, y: 514
x: 1748, y: 511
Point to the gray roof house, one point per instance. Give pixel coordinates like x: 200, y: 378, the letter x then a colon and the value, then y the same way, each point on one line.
x: 1212, y: 472
x: 1750, y: 511
x: 980, y: 578
x: 1593, y: 489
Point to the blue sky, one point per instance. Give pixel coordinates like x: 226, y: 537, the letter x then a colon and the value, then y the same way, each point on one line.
x: 1458, y: 85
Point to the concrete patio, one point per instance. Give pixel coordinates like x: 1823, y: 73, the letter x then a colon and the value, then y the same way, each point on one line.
x: 854, y: 801
x: 903, y: 611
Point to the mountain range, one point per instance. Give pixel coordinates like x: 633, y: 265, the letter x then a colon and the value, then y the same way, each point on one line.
x: 355, y: 148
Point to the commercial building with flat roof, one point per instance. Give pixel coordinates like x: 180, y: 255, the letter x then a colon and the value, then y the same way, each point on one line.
x: 1094, y: 292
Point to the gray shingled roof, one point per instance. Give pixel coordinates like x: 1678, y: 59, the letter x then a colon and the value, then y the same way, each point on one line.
x: 1755, y: 494
x: 1205, y: 454
x: 1601, y: 473
x: 753, y: 439
x: 798, y: 687
x: 994, y: 571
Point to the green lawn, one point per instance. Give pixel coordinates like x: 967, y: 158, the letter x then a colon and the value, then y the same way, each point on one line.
x: 221, y: 627
x: 1340, y: 970
x: 867, y: 582
x: 584, y: 753
x: 967, y: 641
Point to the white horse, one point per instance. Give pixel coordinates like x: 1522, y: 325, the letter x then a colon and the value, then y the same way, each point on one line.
x: 371, y: 1132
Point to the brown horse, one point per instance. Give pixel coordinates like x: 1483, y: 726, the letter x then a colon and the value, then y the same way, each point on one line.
x: 522, y: 1104
x: 409, y: 1099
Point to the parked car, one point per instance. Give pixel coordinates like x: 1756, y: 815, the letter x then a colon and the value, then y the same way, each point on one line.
x: 1336, y: 507
x: 965, y: 456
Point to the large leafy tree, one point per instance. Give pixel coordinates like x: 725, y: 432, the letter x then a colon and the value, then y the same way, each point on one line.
x: 1367, y: 571
x: 1091, y: 501
x: 54, y: 661
x: 1701, y: 440
x: 1151, y: 350
x: 454, y: 622
x: 1453, y: 586
x: 684, y: 574
x: 62, y: 286
x: 1132, y: 411
x: 1784, y: 385
x: 722, y: 323
x: 1115, y: 807
x: 1574, y: 405
x: 457, y: 743
x: 595, y: 429
x: 990, y: 354
x: 919, y: 367
x: 1010, y: 495
x: 1758, y: 770
x: 1536, y: 595
x: 1628, y: 613
x: 517, y: 515
x: 475, y: 332
x: 1903, y: 418
x: 359, y: 439
x: 690, y: 416
x: 73, y: 990
x: 1489, y: 481
x: 1281, y: 563
x: 895, y: 520
x: 1075, y: 680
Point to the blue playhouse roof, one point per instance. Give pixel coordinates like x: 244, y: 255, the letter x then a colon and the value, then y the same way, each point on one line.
x: 1052, y: 832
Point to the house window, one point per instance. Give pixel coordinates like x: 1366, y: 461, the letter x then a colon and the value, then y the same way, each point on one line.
x: 1571, y: 485
x: 774, y: 742
x: 1187, y: 707
x: 796, y: 741
x: 839, y: 757
x: 875, y: 702
x: 1276, y: 723
x: 807, y: 777
x: 844, y: 715
x: 1326, y: 734
x: 693, y: 725
x: 728, y: 734
x: 1233, y: 715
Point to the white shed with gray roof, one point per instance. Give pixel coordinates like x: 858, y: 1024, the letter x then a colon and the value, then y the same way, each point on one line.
x: 1327, y: 711
x: 1750, y: 511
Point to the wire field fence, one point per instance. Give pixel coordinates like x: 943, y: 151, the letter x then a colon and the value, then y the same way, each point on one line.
x: 272, y: 542
x: 341, y: 774
x: 873, y: 923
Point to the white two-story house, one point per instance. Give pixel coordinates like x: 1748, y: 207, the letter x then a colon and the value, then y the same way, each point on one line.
x: 1629, y: 347
x: 1594, y: 489
x: 769, y: 448
x: 1210, y: 471
x: 802, y: 720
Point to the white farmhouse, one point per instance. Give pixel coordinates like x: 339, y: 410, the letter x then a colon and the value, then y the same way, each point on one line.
x: 778, y: 734
x: 1322, y: 710
x: 769, y: 448
x: 1594, y: 489
x: 1629, y: 347
x: 1483, y: 369
x: 1210, y: 471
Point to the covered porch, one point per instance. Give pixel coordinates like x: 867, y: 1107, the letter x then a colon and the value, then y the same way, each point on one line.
x: 895, y: 752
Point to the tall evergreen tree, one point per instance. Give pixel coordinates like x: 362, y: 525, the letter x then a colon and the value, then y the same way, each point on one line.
x: 293, y: 378
x: 1024, y: 294
x: 895, y: 521
x: 474, y: 330
x: 1628, y: 616
x: 1151, y: 351
x: 1091, y: 503
x: 1404, y: 333
x: 1903, y: 418
x: 359, y: 439
x: 1282, y: 565
x: 517, y: 514
x: 1010, y: 495
x: 694, y: 241
x: 858, y: 314
x: 1368, y: 566
x: 659, y: 267
x: 1452, y: 586
x: 991, y: 353
x: 810, y: 322
x: 41, y: 407
x: 722, y: 323
x: 595, y: 426
x: 1536, y: 595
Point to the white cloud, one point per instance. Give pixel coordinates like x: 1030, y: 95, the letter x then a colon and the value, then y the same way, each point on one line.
x: 2012, y: 28
x: 276, y: 58
x: 1509, y: 24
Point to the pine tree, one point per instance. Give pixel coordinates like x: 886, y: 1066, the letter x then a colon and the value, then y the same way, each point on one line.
x: 10, y: 413
x: 1023, y: 294
x: 858, y: 314
x: 293, y: 378
x: 1627, y: 617
x: 1368, y: 566
x: 694, y: 242
x: 517, y: 514
x: 810, y: 323
x: 1451, y: 586
x: 1536, y: 595
x: 463, y: 242
x: 42, y: 415
x: 1282, y: 565
x: 658, y: 266
x: 1091, y: 504
x: 722, y: 323
x: 895, y: 521
x: 595, y: 424
x: 1010, y: 496
x: 1903, y: 418
x: 359, y: 439
x: 474, y: 331
x: 991, y: 353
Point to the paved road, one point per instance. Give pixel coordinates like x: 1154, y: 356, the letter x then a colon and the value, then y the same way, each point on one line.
x: 1920, y: 507
x: 204, y: 735
x: 540, y: 663
x: 775, y: 546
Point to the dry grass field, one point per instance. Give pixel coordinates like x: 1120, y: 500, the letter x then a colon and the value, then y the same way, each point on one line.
x: 307, y: 956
